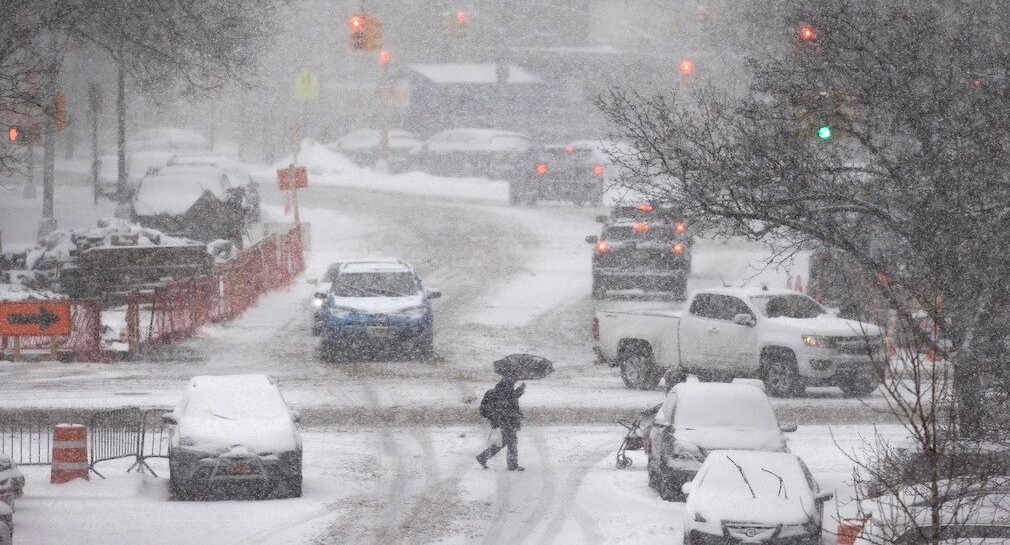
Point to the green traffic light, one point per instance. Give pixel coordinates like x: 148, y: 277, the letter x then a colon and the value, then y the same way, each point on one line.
x: 824, y: 133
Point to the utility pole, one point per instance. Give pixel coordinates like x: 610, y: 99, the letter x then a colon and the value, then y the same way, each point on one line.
x: 48, y: 223
x: 385, y: 97
x: 122, y: 180
x: 94, y: 107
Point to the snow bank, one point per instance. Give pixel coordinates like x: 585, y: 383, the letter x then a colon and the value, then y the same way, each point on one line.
x: 17, y: 292
x: 320, y: 160
x: 58, y: 245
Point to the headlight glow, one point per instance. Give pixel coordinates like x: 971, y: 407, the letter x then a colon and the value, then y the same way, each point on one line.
x: 415, y: 313
x: 317, y: 302
x: 816, y: 341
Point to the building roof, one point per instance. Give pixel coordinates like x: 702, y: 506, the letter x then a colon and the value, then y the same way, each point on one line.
x: 471, y: 74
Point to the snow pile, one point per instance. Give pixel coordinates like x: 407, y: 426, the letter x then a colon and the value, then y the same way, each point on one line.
x: 321, y: 160
x: 18, y: 292
x: 61, y: 245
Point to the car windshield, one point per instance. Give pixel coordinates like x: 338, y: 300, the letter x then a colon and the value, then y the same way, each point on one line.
x: 375, y: 284
x: 788, y: 306
x: 724, y: 410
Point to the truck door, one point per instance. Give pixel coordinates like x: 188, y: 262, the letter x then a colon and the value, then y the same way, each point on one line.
x: 739, y: 347
x: 699, y: 331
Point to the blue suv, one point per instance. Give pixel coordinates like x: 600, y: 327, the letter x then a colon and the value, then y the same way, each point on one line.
x: 376, y: 306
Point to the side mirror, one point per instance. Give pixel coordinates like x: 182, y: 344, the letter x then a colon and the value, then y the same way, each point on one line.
x: 824, y: 497
x: 433, y: 294
x: 312, y: 281
x: 592, y: 239
x: 788, y: 428
x: 602, y: 219
x: 687, y: 488
x: 744, y: 320
x: 169, y: 419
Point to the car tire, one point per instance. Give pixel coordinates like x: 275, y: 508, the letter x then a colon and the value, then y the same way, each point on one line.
x: 669, y: 489
x: 293, y: 486
x: 638, y: 370
x: 859, y: 384
x: 426, y: 347
x: 317, y: 329
x: 780, y: 374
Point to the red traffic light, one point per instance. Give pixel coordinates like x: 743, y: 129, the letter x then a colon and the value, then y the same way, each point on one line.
x: 686, y: 67
x: 461, y: 17
x: 807, y: 33
x: 13, y: 133
x: 384, y: 57
x: 541, y: 168
x: 357, y: 22
x: 598, y: 170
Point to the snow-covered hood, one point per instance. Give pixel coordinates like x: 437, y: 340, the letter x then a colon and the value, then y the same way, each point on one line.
x: 378, y: 305
x: 828, y: 325
x: 708, y: 439
x: 767, y: 508
x: 218, y: 434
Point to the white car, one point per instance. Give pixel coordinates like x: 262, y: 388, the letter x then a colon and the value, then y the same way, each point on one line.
x: 753, y: 497
x: 782, y: 337
x: 697, y: 418
x: 976, y: 519
x: 234, y: 435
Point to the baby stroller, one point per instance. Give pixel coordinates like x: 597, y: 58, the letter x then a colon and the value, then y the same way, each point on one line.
x: 634, y: 439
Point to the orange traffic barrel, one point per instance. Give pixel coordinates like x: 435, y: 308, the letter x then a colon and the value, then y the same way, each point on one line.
x: 848, y: 530
x: 70, y: 453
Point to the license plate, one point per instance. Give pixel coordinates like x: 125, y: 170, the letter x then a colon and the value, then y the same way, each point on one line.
x: 378, y: 331
x: 239, y: 469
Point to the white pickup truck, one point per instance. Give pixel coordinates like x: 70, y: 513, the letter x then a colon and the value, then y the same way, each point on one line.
x: 784, y: 338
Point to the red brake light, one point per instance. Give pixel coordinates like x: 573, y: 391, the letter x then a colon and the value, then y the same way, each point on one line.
x: 678, y: 248
x: 569, y: 148
x: 645, y: 207
x: 602, y: 246
x: 680, y: 227
x: 461, y: 17
x: 640, y: 227
x: 598, y: 170
x: 541, y: 168
x: 13, y: 133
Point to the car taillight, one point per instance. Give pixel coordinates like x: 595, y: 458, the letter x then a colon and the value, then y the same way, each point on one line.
x: 598, y: 170
x: 645, y: 207
x: 541, y: 168
x: 602, y: 246
x: 569, y: 148
x: 596, y: 329
x: 640, y: 227
x: 680, y: 228
x: 678, y: 248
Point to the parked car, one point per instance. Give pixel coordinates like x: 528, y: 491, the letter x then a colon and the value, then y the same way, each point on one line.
x: 697, y: 418
x: 475, y: 152
x: 167, y: 139
x: 976, y: 517
x: 6, y: 524
x: 377, y: 305
x: 753, y: 497
x: 577, y: 172
x: 362, y: 146
x: 234, y: 435
x: 12, y: 481
x: 649, y: 251
x: 782, y: 337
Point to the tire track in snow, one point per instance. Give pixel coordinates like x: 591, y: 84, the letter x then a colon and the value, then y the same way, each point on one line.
x: 576, y: 473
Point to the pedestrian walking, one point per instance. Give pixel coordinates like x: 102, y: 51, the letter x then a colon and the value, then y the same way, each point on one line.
x: 500, y: 406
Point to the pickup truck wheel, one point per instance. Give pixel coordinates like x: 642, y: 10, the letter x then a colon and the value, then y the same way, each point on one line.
x: 781, y: 377
x: 637, y: 368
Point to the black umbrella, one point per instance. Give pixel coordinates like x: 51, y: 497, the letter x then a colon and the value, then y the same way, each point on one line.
x: 524, y: 367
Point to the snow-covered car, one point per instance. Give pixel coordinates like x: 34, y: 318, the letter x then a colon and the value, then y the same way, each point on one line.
x: 981, y: 517
x: 577, y: 172
x: 363, y: 147
x: 167, y: 139
x: 234, y: 435
x: 377, y: 305
x: 486, y: 153
x: 697, y: 418
x: 6, y: 524
x: 319, y: 295
x: 743, y: 496
x: 782, y: 337
x: 12, y: 481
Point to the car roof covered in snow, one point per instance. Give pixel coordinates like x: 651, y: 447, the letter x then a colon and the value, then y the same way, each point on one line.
x: 373, y: 266
x: 712, y: 390
x: 470, y: 73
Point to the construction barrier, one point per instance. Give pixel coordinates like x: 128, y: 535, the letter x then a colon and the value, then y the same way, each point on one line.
x: 70, y: 453
x: 84, y: 342
x: 849, y: 529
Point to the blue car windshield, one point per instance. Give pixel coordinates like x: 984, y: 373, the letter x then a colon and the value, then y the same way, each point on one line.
x: 375, y: 284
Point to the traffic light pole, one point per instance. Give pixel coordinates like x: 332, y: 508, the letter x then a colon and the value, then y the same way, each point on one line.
x: 384, y: 96
x: 48, y: 223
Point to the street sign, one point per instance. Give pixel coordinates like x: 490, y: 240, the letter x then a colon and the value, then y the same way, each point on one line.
x: 292, y: 178
x: 307, y: 86
x: 40, y: 318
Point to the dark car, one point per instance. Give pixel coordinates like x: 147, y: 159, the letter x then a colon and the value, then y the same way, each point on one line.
x: 483, y: 153
x: 231, y: 436
x: 651, y: 252
x: 575, y: 172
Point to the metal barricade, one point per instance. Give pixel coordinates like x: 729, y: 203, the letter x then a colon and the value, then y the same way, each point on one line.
x: 114, y: 434
x: 154, y: 438
x: 27, y: 440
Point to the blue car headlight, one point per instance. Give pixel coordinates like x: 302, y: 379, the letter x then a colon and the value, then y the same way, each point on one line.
x: 341, y: 313
x: 414, y: 313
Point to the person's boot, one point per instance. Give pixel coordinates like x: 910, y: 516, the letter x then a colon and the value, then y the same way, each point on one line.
x: 517, y: 468
x: 481, y: 461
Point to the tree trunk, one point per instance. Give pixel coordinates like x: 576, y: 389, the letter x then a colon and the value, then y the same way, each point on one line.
x: 122, y: 180
x: 94, y: 105
x: 48, y: 223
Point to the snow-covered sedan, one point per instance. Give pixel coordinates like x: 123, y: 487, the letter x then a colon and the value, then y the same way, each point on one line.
x: 697, y: 418
x: 234, y: 435
x: 744, y: 496
x: 375, y: 305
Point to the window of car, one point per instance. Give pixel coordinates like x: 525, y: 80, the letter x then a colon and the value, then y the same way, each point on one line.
x: 375, y: 284
x: 718, y: 307
x: 788, y: 306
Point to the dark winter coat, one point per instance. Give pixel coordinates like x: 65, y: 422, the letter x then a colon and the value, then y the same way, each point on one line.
x: 504, y: 409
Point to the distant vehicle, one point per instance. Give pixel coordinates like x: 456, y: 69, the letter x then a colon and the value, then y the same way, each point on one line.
x: 167, y: 139
x: 649, y: 251
x: 576, y: 172
x: 486, y: 153
x: 362, y: 146
x: 320, y: 294
x: 744, y: 496
x: 697, y: 418
x: 12, y: 481
x: 234, y: 436
x: 782, y: 337
x: 377, y: 305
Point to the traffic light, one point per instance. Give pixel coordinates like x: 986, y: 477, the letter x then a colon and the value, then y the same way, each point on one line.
x: 686, y: 67
x: 357, y: 34
x: 457, y: 23
x: 365, y: 33
x: 385, y: 57
x: 824, y: 132
x: 807, y: 33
